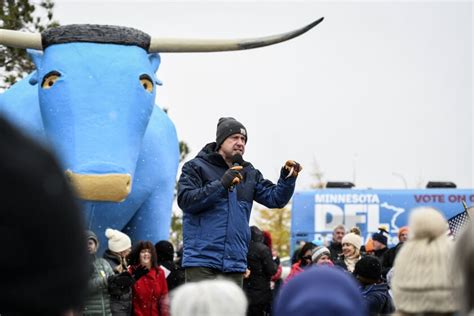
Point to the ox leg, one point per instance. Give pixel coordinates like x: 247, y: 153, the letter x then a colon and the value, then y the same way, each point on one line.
x: 153, y: 219
x: 161, y: 152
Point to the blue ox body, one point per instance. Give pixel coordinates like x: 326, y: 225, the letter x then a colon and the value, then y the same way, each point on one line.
x: 91, y: 100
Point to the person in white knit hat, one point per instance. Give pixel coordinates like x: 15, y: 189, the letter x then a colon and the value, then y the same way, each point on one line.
x: 423, y: 281
x: 351, y: 244
x: 464, y: 267
x: 119, y: 247
x: 118, y: 242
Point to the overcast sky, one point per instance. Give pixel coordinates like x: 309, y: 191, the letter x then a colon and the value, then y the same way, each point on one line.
x: 379, y: 93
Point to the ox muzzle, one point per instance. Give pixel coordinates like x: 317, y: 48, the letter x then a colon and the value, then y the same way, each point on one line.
x: 111, y: 187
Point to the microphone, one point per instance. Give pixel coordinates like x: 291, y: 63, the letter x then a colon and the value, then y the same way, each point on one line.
x: 237, y: 160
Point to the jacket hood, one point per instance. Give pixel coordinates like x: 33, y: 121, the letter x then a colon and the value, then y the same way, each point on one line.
x: 91, y: 235
x: 164, y: 251
x: 256, y: 234
x: 382, y: 288
x: 209, y: 154
x: 267, y: 239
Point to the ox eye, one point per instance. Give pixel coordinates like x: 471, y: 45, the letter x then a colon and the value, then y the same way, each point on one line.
x: 50, y: 79
x: 146, y: 83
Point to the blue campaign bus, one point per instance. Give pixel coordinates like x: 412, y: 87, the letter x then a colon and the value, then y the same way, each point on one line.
x: 315, y: 213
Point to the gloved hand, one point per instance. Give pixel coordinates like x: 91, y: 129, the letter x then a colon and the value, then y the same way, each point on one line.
x: 124, y: 279
x: 231, y: 177
x: 290, y: 169
x: 139, y: 272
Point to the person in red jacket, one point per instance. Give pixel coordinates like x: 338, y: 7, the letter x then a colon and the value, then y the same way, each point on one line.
x: 304, y: 262
x: 150, y: 291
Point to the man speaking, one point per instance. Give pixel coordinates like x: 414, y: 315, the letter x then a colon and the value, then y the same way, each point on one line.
x: 216, y: 191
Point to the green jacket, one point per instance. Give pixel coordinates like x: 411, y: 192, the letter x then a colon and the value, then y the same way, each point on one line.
x: 98, y: 299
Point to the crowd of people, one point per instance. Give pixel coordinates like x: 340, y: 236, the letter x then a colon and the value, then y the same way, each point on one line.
x: 426, y: 273
x: 130, y: 280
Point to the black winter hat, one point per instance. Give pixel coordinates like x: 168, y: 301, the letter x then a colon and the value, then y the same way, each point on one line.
x: 368, y: 267
x: 164, y: 251
x: 381, y: 236
x: 45, y: 263
x: 228, y: 126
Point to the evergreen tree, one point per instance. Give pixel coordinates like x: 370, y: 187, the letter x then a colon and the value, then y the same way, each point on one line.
x: 176, y: 234
x: 21, y: 15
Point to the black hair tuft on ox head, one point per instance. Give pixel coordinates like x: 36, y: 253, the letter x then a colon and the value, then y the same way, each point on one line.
x: 93, y: 33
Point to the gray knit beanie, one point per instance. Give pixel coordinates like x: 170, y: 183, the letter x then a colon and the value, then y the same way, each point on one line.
x: 228, y: 126
x: 318, y: 252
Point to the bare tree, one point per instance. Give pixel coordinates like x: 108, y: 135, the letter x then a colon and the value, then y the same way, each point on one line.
x: 317, y: 174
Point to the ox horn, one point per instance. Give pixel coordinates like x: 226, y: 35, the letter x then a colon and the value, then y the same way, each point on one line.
x: 201, y: 45
x: 19, y: 39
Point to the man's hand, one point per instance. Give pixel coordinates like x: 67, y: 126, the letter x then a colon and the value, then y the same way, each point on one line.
x: 247, y: 274
x: 291, y: 169
x: 231, y: 177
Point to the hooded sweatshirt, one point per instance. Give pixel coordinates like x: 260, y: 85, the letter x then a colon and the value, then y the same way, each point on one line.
x: 262, y: 268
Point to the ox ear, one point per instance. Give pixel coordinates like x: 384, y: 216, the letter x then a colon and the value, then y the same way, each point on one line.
x: 37, y: 57
x: 34, y: 78
x: 155, y: 61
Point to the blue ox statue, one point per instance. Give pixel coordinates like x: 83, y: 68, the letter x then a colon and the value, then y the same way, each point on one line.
x: 92, y: 99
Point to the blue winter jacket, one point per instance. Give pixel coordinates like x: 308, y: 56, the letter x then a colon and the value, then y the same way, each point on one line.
x: 216, y: 229
x: 378, y: 299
